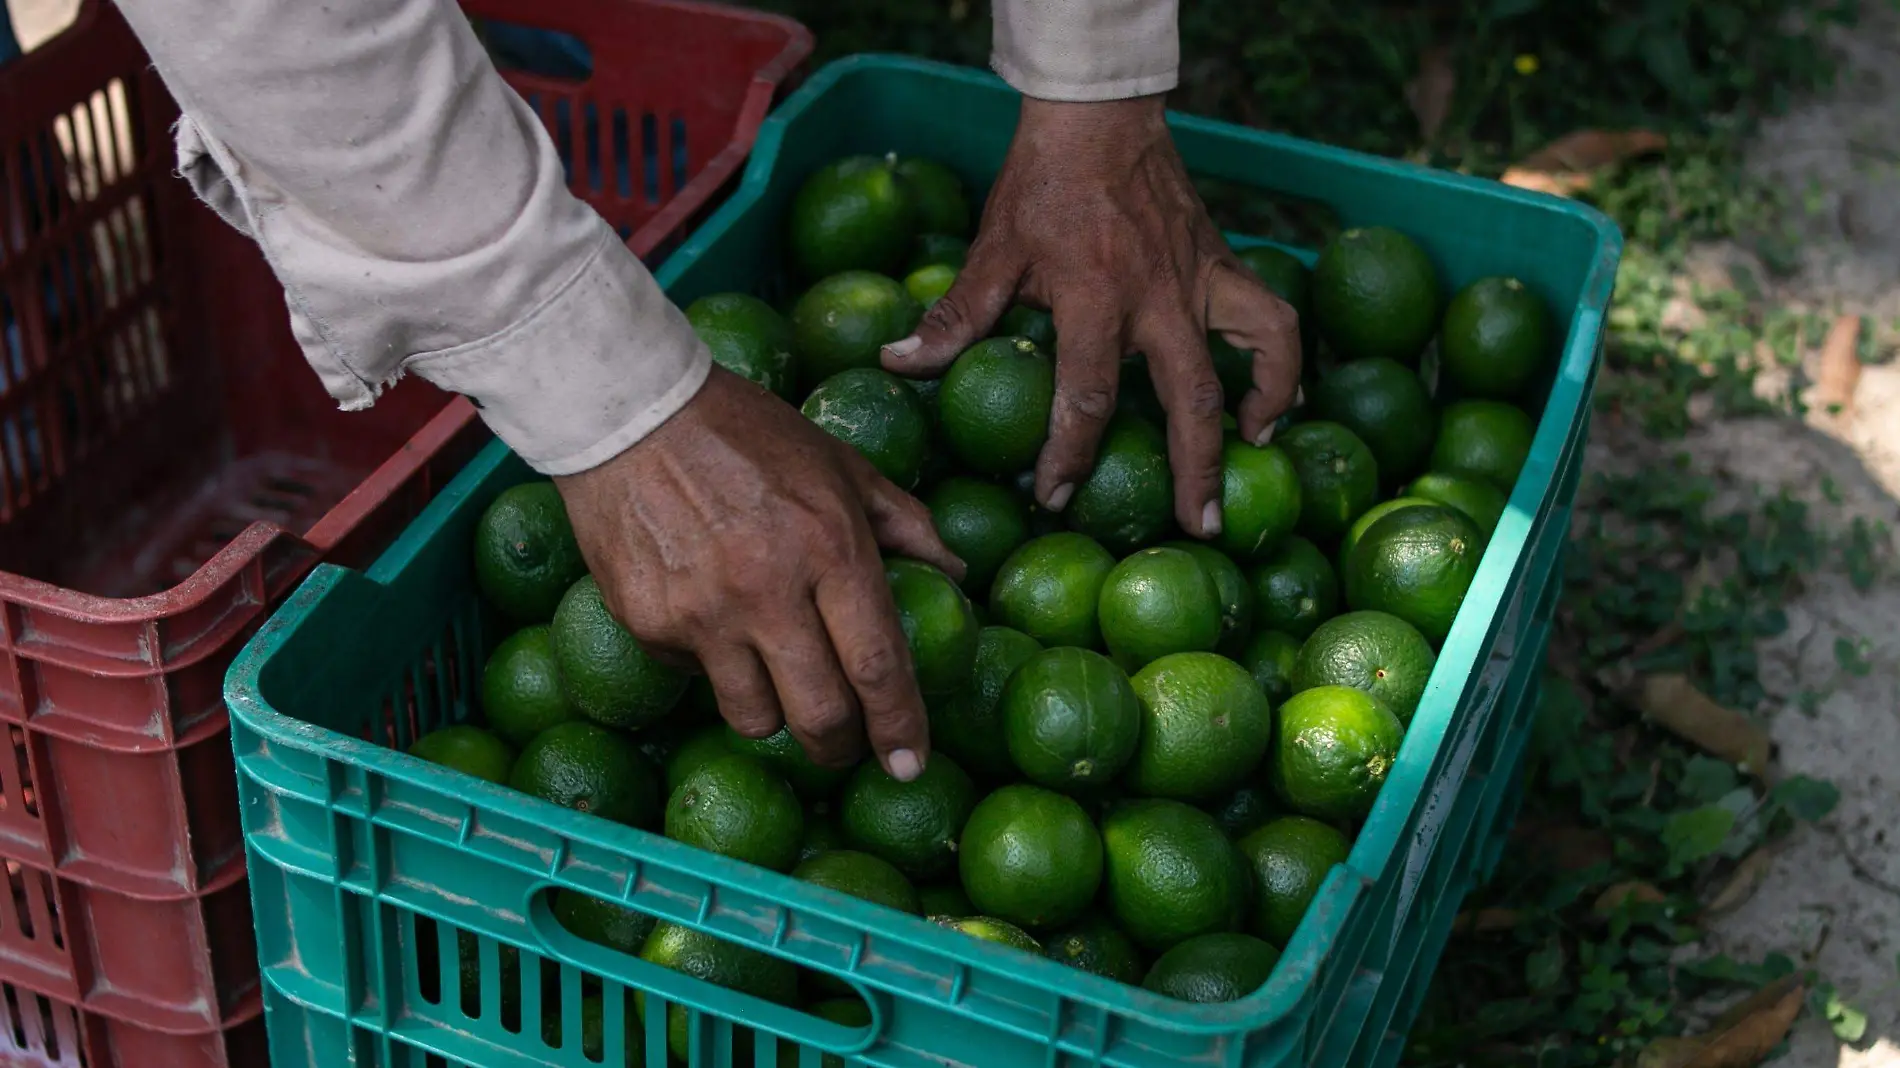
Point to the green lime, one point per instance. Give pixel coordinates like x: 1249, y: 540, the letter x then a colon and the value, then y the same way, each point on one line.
x: 1155, y: 602
x: 1384, y: 403
x: 593, y: 1043
x: 1495, y: 339
x: 914, y: 825
x: 1375, y: 293
x: 842, y: 322
x: 1416, y: 564
x: 1294, y: 589
x: 1023, y: 321
x: 1269, y: 658
x: 1245, y: 807
x: 589, y: 768
x: 946, y: 250
x: 521, y: 686
x: 700, y: 748
x: 852, y: 214
x: 1128, y: 500
x: 525, y: 553
x: 1260, y: 498
x: 1030, y: 856
x: 822, y: 835
x: 469, y: 750
x: 1213, y: 968
x: 748, y: 337
x: 737, y: 807
x: 938, y: 623
x: 1381, y: 654
x: 1204, y: 726
x: 1367, y: 518
x: 714, y: 960
x: 1476, y: 498
x: 981, y: 522
x: 607, y: 677
x: 783, y: 753
x: 1333, y: 751
x: 860, y: 875
x: 1071, y: 718
x: 1097, y: 946
x: 1170, y: 873
x: 1290, y: 858
x: 945, y: 899
x: 1236, y: 595
x: 937, y: 192
x: 1485, y: 439
x: 988, y: 929
x: 995, y: 404
x: 968, y: 724
x: 927, y: 285
x: 602, y: 922
x: 1049, y: 587
x: 1338, y: 476
x: 874, y: 412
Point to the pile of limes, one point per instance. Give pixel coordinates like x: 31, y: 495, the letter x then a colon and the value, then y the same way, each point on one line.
x: 1148, y: 751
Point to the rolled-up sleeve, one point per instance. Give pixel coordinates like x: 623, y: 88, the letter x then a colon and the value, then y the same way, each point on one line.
x: 417, y: 215
x: 1085, y: 50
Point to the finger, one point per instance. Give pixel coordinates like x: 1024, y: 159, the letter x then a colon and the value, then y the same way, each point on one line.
x: 1253, y: 318
x: 856, y: 604
x: 744, y: 690
x: 1087, y: 376
x: 902, y: 524
x: 820, y: 708
x: 961, y: 317
x: 1184, y: 378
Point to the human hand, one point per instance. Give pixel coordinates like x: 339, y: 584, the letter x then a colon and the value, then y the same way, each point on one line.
x: 1093, y: 217
x: 741, y: 535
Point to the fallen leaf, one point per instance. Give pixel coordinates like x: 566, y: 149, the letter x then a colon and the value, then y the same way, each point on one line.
x: 1430, y: 92
x: 1569, y: 164
x: 1839, y: 371
x: 1488, y: 920
x: 1742, y: 1036
x: 1616, y: 895
x: 1743, y: 881
x: 1673, y: 703
x: 1668, y: 1052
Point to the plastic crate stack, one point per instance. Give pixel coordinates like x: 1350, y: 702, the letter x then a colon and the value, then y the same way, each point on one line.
x: 170, y: 469
x: 368, y: 865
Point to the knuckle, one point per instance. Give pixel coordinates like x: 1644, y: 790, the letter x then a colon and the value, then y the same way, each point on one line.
x: 878, y: 667
x: 948, y: 314
x: 825, y: 720
x: 1093, y: 402
x: 1204, y: 398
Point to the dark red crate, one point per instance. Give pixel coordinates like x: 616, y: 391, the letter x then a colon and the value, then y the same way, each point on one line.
x: 37, y: 1031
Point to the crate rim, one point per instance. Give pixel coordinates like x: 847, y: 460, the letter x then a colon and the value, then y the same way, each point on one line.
x: 1280, y: 997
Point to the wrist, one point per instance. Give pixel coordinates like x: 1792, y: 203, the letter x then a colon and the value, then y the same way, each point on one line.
x: 1093, y: 130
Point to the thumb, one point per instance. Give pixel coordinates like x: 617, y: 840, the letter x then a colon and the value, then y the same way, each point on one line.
x: 961, y: 317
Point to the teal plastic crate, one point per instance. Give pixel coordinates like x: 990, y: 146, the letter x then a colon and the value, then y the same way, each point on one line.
x: 369, y: 868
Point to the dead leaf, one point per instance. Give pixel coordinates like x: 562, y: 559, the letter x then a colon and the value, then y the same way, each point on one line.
x: 1743, y: 881
x: 1673, y: 703
x: 1569, y: 164
x: 1610, y: 898
x: 1839, y: 370
x: 1430, y: 92
x: 1487, y: 920
x: 1740, y: 1037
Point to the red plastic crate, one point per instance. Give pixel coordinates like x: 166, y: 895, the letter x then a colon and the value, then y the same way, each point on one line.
x: 170, y: 467
x: 37, y: 1031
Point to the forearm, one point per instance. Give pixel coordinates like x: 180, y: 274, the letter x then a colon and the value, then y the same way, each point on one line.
x: 1085, y: 50
x: 418, y: 218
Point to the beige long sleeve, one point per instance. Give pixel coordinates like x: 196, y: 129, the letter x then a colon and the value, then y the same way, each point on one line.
x: 1087, y: 49
x: 416, y: 214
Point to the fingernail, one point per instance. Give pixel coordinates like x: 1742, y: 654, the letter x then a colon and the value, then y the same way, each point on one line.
x: 1266, y: 435
x: 902, y: 350
x: 904, y: 765
x: 1210, y: 519
x: 1059, y: 497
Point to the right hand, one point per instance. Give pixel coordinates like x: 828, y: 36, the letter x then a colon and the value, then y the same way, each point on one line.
x: 742, y: 536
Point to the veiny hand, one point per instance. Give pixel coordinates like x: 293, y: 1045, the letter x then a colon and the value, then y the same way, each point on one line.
x: 741, y: 535
x: 1093, y: 217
